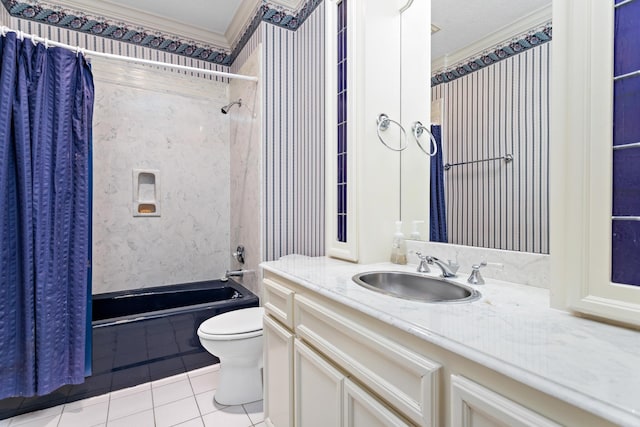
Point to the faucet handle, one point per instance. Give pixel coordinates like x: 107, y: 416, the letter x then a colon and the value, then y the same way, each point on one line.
x: 422, y: 265
x: 476, y: 278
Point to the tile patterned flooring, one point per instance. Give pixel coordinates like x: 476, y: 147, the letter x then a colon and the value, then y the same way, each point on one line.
x: 184, y: 400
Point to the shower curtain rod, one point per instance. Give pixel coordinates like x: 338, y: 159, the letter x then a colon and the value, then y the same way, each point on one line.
x: 22, y: 35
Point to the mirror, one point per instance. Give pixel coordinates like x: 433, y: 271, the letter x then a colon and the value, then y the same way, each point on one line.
x: 490, y: 99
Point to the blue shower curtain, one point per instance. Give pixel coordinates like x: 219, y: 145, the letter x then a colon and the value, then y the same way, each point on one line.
x: 46, y: 107
x: 438, y: 212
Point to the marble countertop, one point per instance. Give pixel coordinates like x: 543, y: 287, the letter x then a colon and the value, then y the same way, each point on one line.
x: 510, y: 329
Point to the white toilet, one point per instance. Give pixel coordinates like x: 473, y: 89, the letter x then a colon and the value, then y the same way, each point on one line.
x: 236, y: 339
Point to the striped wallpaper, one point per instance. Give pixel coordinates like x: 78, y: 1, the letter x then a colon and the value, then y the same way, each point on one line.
x: 102, y: 44
x: 5, y: 17
x: 501, y: 109
x: 293, y: 138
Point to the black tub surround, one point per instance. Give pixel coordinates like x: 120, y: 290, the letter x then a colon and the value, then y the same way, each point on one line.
x: 144, y: 335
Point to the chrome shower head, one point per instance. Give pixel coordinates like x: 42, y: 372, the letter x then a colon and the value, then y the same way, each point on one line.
x: 226, y: 108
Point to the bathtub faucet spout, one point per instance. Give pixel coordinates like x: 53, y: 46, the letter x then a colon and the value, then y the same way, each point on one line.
x: 233, y: 273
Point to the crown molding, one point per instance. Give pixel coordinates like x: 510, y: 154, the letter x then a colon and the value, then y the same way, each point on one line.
x: 139, y: 18
x: 291, y: 5
x: 241, y: 20
x: 503, y: 35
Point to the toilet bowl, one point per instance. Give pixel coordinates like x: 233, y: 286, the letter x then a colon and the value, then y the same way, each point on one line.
x: 236, y: 339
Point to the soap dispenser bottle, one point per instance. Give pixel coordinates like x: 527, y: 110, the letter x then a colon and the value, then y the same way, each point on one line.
x: 415, y: 234
x: 399, y: 246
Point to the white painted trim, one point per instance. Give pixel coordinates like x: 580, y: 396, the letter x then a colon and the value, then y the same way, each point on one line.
x: 290, y: 5
x: 241, y: 20
x: 138, y: 18
x: 581, y: 160
x: 344, y: 250
x: 502, y: 35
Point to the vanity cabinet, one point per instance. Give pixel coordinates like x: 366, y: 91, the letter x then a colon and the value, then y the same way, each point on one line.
x: 473, y: 405
x: 327, y: 364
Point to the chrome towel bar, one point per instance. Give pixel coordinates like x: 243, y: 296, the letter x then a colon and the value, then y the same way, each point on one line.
x: 507, y: 158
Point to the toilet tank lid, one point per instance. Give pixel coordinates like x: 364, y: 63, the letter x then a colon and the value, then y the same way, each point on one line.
x: 234, y: 322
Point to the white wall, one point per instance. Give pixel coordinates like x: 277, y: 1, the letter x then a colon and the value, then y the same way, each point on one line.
x: 145, y: 118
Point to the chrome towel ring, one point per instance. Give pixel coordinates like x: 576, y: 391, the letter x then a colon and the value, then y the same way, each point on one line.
x: 417, y: 129
x: 383, y: 122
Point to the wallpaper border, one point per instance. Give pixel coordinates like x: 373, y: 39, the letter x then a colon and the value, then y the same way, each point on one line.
x: 129, y: 33
x: 493, y: 55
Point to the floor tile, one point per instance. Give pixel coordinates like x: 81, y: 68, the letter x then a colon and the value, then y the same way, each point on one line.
x: 84, y: 416
x: 171, y: 392
x: 206, y: 402
x: 130, y: 404
x: 29, y: 417
x: 206, y: 382
x: 48, y: 421
x: 140, y: 419
x: 177, y: 412
x: 231, y: 416
x: 172, y: 379
x: 196, y: 422
x: 86, y: 402
x: 255, y: 411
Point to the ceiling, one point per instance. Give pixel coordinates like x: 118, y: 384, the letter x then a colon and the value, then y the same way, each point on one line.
x: 208, y: 15
x: 221, y: 22
x: 463, y: 22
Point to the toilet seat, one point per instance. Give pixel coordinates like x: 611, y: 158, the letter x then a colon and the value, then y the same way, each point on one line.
x: 234, y: 325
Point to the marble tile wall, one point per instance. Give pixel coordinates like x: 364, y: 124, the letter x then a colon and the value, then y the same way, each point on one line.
x: 245, y: 151
x: 170, y: 122
x: 516, y: 267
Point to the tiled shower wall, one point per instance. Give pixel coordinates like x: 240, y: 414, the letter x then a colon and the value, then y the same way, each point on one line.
x: 172, y: 123
x: 501, y: 109
x: 246, y: 151
x: 293, y: 139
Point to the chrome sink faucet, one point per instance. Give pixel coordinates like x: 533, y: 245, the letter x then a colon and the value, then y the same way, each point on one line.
x: 448, y: 270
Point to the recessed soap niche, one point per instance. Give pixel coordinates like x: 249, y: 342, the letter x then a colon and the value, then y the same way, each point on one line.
x: 146, y: 192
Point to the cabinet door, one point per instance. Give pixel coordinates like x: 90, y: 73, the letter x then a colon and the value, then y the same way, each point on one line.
x: 278, y: 374
x: 361, y: 409
x: 318, y: 389
x: 473, y: 405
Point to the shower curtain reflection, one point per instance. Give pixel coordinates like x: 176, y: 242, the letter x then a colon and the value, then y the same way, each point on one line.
x: 46, y: 107
x: 438, y: 211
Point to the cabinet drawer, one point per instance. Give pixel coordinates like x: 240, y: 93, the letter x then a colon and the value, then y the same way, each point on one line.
x: 278, y: 302
x: 406, y: 380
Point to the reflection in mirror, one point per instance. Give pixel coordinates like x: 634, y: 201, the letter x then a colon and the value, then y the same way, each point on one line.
x: 491, y: 99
